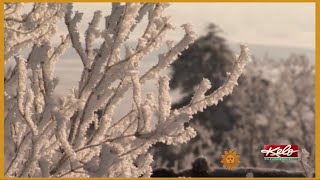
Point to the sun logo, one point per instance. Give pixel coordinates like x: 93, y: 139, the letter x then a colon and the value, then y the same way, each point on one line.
x: 230, y: 159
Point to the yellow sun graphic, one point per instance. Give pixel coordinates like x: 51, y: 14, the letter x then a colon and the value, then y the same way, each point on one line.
x: 230, y: 159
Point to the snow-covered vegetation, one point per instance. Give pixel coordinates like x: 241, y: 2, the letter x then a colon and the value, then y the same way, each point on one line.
x: 77, y: 135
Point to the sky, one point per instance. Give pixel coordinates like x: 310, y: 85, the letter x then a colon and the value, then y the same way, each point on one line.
x: 267, y: 24
x: 279, y: 24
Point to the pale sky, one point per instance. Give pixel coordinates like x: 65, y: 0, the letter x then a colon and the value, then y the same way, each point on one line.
x: 284, y: 24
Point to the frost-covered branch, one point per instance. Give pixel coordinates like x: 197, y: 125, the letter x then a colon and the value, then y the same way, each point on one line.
x: 22, y: 30
x: 78, y: 134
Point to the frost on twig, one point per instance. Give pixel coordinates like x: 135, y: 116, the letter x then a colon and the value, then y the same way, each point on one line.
x: 23, y: 30
x: 304, y: 162
x: 56, y: 138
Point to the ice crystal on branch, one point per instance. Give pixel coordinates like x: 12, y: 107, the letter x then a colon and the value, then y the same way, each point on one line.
x: 56, y: 138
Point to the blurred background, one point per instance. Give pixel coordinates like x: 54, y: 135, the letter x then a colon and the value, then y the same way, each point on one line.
x: 274, y: 102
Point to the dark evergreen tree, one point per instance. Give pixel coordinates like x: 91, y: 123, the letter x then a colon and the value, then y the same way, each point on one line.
x: 209, y: 57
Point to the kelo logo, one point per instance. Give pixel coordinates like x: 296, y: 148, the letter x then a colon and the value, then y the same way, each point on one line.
x: 280, y: 152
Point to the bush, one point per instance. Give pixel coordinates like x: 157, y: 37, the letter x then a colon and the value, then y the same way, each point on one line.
x: 46, y: 137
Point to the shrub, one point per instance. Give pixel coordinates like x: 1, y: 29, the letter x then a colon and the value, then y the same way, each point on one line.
x: 51, y: 138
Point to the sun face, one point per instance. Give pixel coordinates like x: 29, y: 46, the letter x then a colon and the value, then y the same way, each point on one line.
x: 230, y: 159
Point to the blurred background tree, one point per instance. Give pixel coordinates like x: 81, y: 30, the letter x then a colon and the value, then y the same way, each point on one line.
x: 209, y: 57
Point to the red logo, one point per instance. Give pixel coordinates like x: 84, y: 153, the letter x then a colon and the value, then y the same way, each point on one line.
x: 280, y: 152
